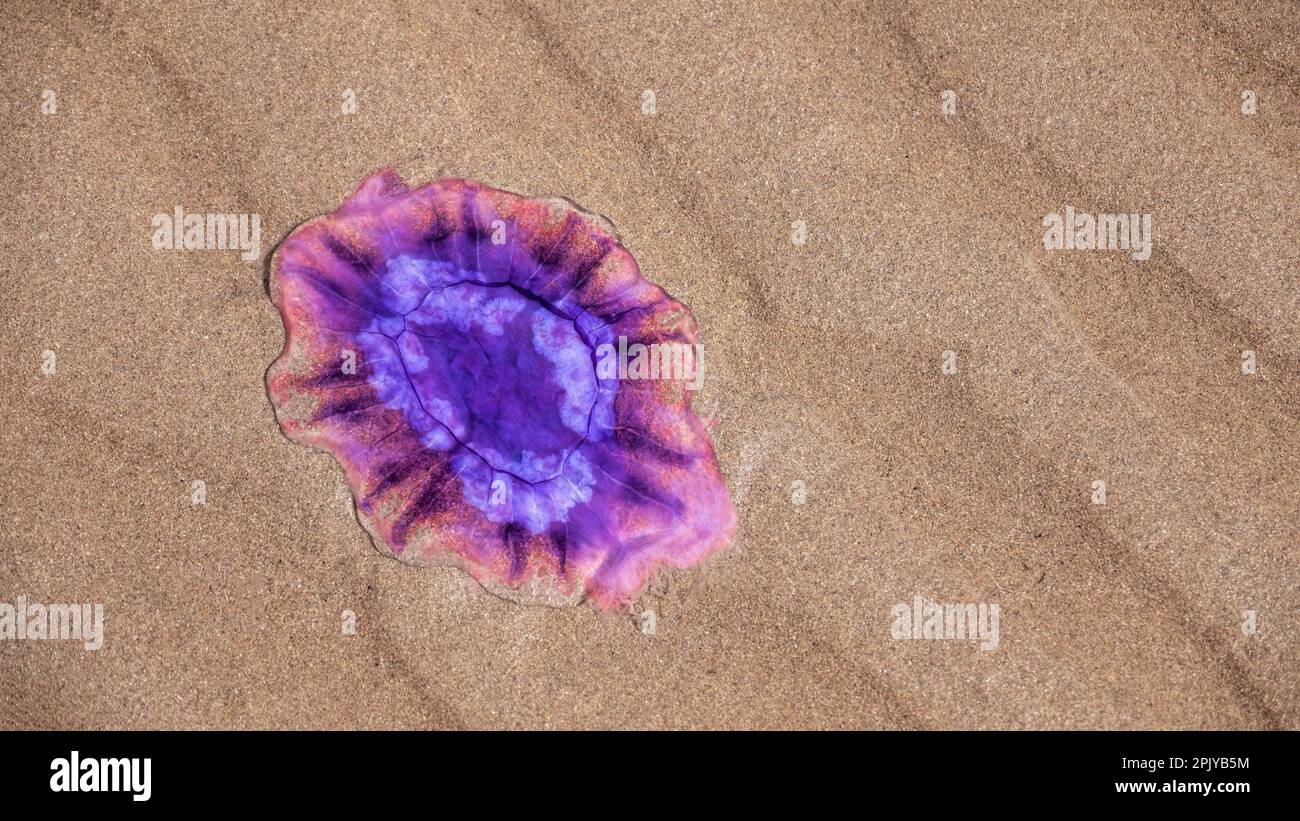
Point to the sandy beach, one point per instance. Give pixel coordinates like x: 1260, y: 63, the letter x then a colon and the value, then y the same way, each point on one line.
x: 912, y: 392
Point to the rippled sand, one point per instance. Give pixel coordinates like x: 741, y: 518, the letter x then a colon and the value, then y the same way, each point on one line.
x: 864, y: 475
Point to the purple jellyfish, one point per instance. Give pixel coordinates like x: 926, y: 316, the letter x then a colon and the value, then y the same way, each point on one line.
x: 503, y: 388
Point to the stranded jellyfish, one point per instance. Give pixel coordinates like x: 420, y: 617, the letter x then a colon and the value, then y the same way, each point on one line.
x: 503, y: 388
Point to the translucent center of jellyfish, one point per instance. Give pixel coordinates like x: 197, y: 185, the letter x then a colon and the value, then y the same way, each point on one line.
x: 509, y: 379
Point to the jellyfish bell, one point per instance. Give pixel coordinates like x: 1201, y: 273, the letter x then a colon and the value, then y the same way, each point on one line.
x: 441, y: 343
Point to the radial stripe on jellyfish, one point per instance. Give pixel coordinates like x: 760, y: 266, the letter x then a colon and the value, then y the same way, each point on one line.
x: 462, y: 351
